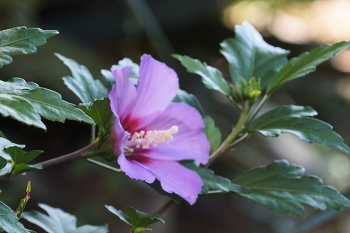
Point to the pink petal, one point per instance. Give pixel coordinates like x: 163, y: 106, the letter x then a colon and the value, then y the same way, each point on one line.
x: 123, y: 92
x: 189, y: 142
x: 119, y: 136
x: 156, y: 88
x: 174, y: 178
x: 135, y: 170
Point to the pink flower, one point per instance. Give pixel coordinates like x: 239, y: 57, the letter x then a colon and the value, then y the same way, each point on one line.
x: 151, y: 134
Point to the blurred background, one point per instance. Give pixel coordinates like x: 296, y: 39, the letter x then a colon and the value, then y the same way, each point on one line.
x: 98, y: 34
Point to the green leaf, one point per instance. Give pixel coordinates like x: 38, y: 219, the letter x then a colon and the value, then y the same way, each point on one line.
x: 137, y: 220
x: 211, y: 77
x: 108, y: 77
x: 9, y: 221
x: 213, y: 133
x: 5, y: 143
x: 21, y: 40
x: 25, y: 102
x: 82, y: 83
x: 59, y: 221
x: 3, y: 162
x: 19, y: 168
x: 283, y: 188
x: 249, y: 55
x: 294, y: 119
x: 19, y: 156
x: 100, y: 112
x: 214, y: 183
x: 184, y: 97
x: 304, y: 64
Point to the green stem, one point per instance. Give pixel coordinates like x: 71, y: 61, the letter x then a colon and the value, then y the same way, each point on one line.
x: 258, y: 108
x: 103, y: 165
x: 225, y: 145
x: 74, y: 155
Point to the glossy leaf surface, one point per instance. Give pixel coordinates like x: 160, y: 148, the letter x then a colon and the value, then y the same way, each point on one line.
x: 211, y: 77
x: 283, y: 188
x: 249, y: 55
x: 82, y: 83
x: 295, y: 120
x: 304, y: 64
x: 26, y: 102
x: 137, y: 220
x: 21, y: 40
x: 59, y: 221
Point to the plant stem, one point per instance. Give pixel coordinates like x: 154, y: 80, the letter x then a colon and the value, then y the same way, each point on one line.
x: 74, y: 155
x: 165, y: 207
x: 258, y: 108
x: 103, y: 165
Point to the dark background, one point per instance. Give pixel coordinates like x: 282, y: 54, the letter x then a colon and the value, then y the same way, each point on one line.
x: 98, y: 34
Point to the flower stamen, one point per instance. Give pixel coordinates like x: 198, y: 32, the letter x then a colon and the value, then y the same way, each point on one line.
x: 146, y: 139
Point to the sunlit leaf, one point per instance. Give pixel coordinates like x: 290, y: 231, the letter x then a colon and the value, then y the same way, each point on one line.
x: 295, y: 120
x: 59, y: 221
x: 283, y: 188
x: 137, y: 220
x: 213, y: 133
x: 82, y: 83
x: 26, y: 102
x: 211, y: 77
x: 304, y: 64
x: 21, y: 40
x: 249, y: 55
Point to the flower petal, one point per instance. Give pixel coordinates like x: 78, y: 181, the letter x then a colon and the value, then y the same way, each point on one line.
x: 119, y: 136
x: 135, y: 170
x: 156, y: 88
x: 175, y: 178
x: 123, y: 92
x: 189, y: 142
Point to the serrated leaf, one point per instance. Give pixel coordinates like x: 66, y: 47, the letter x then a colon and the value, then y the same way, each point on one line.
x: 211, y: 77
x: 294, y: 119
x: 99, y: 111
x: 249, y: 55
x: 214, y: 183
x: 9, y: 221
x: 283, y: 188
x: 19, y: 156
x: 82, y: 83
x: 26, y: 102
x: 304, y: 64
x: 21, y: 40
x: 184, y: 97
x: 137, y: 220
x: 5, y: 143
x: 59, y: 221
x: 213, y: 133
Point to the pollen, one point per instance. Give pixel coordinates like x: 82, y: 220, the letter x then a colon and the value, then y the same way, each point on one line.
x: 147, y: 139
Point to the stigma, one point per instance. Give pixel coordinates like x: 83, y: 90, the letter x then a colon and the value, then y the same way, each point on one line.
x: 147, y: 139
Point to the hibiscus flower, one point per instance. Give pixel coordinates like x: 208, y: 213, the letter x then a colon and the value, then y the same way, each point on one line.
x: 151, y: 134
